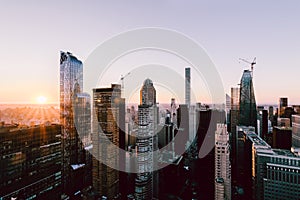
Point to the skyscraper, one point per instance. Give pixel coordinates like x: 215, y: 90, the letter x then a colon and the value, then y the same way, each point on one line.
x: 71, y: 84
x: 296, y: 131
x: 283, y: 103
x: 235, y: 107
x: 188, y: 86
x: 108, y: 116
x: 147, y: 142
x: 248, y: 111
x: 222, y: 162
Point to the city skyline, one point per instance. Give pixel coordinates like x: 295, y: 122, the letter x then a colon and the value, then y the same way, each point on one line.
x: 228, y: 31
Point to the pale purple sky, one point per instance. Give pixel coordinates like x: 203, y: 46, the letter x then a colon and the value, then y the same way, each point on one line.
x: 33, y: 33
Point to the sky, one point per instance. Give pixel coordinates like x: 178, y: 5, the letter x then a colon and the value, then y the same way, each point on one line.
x: 32, y: 34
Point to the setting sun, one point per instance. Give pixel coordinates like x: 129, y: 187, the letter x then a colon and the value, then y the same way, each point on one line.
x: 41, y: 100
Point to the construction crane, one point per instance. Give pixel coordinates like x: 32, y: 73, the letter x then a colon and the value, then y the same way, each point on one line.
x: 122, y: 82
x: 251, y: 63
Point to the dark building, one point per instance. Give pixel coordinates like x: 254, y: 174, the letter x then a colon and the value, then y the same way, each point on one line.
x: 241, y: 172
x: 283, y: 103
x: 108, y: 132
x: 282, y: 137
x: 271, y: 113
x: 182, y: 134
x: 248, y: 111
x: 263, y: 123
x: 30, y: 162
x: 205, y: 138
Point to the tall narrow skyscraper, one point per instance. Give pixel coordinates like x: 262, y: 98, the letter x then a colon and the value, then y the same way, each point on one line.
x: 147, y: 142
x: 222, y: 163
x: 248, y: 111
x: 74, y: 154
x: 188, y: 86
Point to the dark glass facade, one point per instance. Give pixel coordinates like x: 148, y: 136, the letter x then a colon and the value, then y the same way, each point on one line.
x: 247, y: 110
x: 30, y: 162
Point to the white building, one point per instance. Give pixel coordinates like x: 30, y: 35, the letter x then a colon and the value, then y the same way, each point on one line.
x: 222, y: 163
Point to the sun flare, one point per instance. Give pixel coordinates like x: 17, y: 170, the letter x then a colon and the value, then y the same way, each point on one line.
x: 41, y: 100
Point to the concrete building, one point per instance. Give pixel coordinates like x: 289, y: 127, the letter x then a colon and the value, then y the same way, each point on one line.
x: 296, y: 131
x: 146, y: 182
x: 222, y: 162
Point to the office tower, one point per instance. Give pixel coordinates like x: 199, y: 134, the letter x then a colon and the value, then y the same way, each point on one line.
x: 271, y: 113
x: 31, y: 162
x: 241, y: 170
x: 274, y: 171
x: 188, y: 86
x: 227, y: 109
x: 173, y: 111
x: 248, y: 113
x: 234, y: 116
x: 182, y: 134
x: 192, y: 124
x: 296, y: 131
x: 130, y: 129
x: 107, y: 136
x: 205, y: 138
x: 222, y: 162
x: 282, y: 137
x: 281, y: 181
x: 263, y: 123
x: 234, y: 110
x: 71, y: 84
x: 283, y: 103
x: 146, y: 183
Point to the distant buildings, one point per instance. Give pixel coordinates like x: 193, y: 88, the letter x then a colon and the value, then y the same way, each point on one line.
x: 222, y: 163
x: 30, y: 162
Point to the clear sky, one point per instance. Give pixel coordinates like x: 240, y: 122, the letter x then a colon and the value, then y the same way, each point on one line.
x: 33, y: 33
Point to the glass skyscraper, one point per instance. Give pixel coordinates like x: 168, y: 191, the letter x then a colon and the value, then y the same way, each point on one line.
x: 248, y: 111
x: 75, y: 157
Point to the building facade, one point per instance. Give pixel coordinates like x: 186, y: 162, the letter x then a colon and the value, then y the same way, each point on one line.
x: 74, y: 153
x: 247, y: 109
x: 30, y: 162
x: 296, y: 131
x: 188, y: 86
x: 222, y: 162
x: 108, y: 119
x: 146, y: 183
